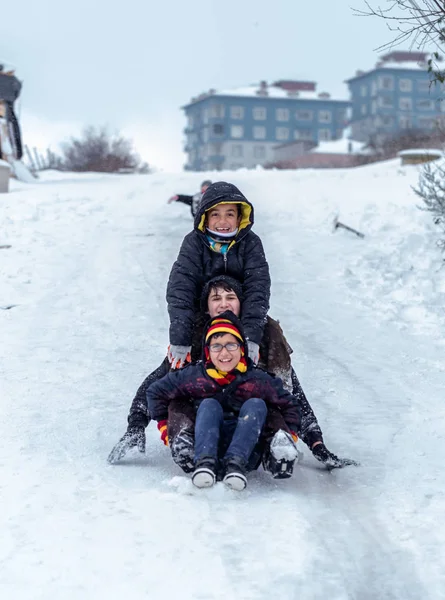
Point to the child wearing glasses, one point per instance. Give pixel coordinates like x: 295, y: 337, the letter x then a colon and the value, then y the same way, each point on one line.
x: 231, y: 400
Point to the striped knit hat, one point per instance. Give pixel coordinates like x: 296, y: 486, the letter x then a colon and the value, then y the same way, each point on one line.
x: 227, y: 322
x: 219, y: 325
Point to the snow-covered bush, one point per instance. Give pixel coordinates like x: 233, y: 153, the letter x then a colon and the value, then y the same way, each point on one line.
x: 431, y: 189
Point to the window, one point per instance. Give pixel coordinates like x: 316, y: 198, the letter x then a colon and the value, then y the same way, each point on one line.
x: 386, y: 82
x: 304, y: 115
x: 237, y: 112
x: 282, y: 114
x: 237, y: 150
x: 218, y: 129
x: 423, y: 85
x: 259, y: 132
x: 374, y: 87
x: 205, y: 134
x: 259, y: 151
x: 324, y: 135
x: 282, y: 133
x: 405, y: 104
x: 426, y: 122
x: 425, y: 104
x: 205, y: 116
x: 190, y: 121
x: 303, y: 134
x: 259, y: 113
x: 217, y: 111
x: 387, y: 121
x: 373, y: 107
x: 363, y: 90
x: 215, y: 149
x: 405, y: 122
x: 405, y: 85
x: 236, y: 131
x: 385, y: 101
x: 324, y: 116
x: 363, y: 109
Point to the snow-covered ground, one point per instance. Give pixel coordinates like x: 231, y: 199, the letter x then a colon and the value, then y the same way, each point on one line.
x: 86, y: 275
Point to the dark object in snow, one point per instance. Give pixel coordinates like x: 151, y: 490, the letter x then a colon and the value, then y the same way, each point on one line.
x: 5, y: 246
x: 280, y: 457
x: 337, y: 224
x: 329, y: 459
x: 10, y: 88
x: 8, y: 306
x: 134, y: 437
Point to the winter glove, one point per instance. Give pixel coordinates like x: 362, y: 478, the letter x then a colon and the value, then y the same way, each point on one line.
x: 134, y: 436
x: 178, y: 356
x: 172, y: 199
x: 162, y: 426
x: 254, y: 351
x: 332, y: 461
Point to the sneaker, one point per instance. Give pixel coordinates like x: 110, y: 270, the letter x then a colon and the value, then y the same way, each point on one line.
x: 234, y: 477
x: 204, y: 473
x: 279, y: 459
x: 183, y: 450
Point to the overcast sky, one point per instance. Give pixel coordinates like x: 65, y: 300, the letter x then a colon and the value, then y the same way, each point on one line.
x: 131, y: 65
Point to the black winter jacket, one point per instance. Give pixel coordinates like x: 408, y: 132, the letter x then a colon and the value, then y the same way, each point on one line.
x: 194, y: 384
x: 184, y: 199
x: 197, y: 263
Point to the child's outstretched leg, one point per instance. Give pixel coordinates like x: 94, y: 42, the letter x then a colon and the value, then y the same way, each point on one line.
x: 250, y: 423
x: 209, y: 418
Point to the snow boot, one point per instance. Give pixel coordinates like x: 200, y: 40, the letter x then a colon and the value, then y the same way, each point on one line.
x: 234, y: 477
x: 279, y: 459
x: 183, y: 450
x: 204, y: 474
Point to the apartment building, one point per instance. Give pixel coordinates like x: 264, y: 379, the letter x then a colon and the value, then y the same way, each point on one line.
x: 397, y: 95
x: 241, y: 127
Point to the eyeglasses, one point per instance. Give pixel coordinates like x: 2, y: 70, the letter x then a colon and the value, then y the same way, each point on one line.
x: 231, y: 347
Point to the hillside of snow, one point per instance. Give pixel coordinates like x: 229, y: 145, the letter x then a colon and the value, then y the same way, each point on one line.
x: 83, y: 320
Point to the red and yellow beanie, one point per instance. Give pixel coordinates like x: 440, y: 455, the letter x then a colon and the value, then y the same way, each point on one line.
x: 219, y: 325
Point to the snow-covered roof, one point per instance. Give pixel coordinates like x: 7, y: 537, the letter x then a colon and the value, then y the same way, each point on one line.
x: 395, y: 65
x: 273, y: 92
x: 405, y: 65
x: 417, y: 151
x: 342, y: 146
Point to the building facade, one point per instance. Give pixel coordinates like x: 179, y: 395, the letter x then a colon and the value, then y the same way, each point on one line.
x: 396, y: 96
x: 240, y: 128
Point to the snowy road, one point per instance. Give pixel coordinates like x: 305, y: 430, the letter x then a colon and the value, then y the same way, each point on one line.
x: 87, y: 270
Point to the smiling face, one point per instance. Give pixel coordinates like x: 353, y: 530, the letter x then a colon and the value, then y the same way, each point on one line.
x: 223, y: 218
x: 220, y: 300
x: 225, y: 360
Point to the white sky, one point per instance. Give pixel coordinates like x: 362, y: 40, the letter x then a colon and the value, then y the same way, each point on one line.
x: 87, y: 268
x: 131, y: 65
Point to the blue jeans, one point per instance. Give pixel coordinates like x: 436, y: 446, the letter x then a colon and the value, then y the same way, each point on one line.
x: 216, y: 437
